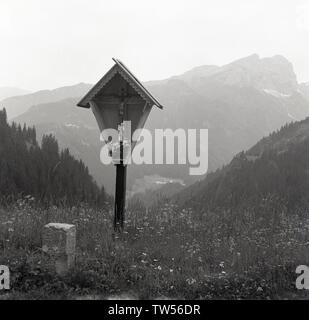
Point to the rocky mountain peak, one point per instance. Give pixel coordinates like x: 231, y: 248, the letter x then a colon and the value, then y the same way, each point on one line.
x: 274, y: 74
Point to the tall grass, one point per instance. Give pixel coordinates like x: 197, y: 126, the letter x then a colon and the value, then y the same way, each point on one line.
x: 164, y: 251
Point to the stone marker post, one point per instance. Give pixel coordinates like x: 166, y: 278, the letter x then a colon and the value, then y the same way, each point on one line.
x: 59, y: 242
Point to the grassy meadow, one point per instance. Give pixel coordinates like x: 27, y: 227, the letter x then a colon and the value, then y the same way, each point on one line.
x: 164, y: 252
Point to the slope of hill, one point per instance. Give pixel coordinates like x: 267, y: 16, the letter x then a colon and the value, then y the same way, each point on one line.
x: 7, y: 92
x: 277, y: 167
x: 238, y: 103
x: 304, y: 89
x: 20, y: 104
x: 42, y: 172
x: 74, y: 128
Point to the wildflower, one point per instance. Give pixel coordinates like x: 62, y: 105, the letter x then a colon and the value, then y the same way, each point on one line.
x: 7, y: 222
x: 190, y: 281
x: 171, y: 270
x: 159, y: 268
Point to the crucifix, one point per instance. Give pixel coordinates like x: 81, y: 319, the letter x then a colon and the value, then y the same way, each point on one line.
x: 118, y: 97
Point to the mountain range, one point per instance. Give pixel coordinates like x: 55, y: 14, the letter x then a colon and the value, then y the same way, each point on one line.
x: 239, y: 103
x: 17, y: 105
x: 7, y: 92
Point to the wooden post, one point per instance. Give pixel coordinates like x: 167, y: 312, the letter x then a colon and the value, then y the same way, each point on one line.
x: 121, y: 171
x: 120, y: 197
x: 120, y: 193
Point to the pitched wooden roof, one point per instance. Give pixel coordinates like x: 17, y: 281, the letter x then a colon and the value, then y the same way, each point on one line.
x: 120, y: 68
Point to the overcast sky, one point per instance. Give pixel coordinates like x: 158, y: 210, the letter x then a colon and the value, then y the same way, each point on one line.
x: 51, y: 43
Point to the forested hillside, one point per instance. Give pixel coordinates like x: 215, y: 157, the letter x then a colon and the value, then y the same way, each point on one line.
x: 43, y: 173
x: 275, y: 168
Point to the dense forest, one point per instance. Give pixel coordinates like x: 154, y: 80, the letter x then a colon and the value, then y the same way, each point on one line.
x: 42, y: 173
x: 276, y: 169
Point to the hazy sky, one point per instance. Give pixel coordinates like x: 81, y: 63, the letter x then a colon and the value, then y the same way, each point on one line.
x: 51, y: 43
